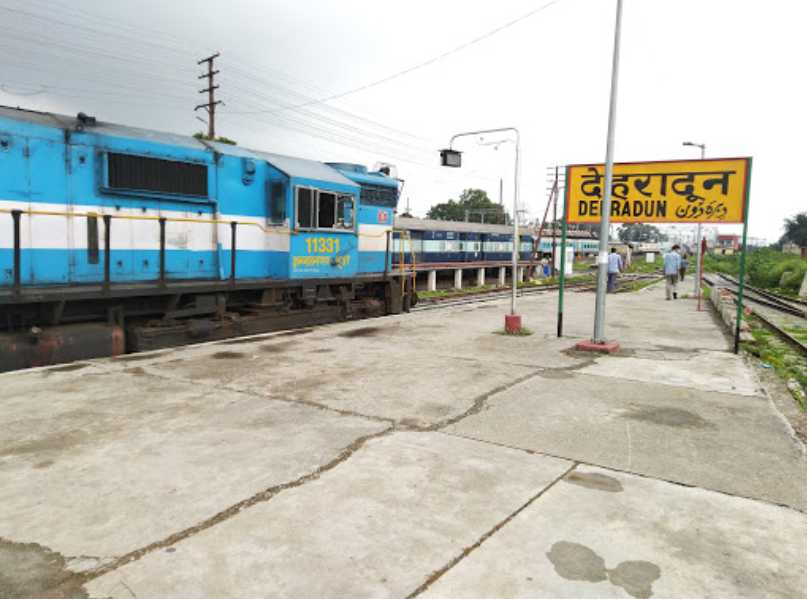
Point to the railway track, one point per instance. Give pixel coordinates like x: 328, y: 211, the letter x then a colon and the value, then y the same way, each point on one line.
x: 489, y: 296
x: 772, y: 304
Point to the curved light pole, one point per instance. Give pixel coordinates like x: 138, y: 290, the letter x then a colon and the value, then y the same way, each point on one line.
x: 451, y: 157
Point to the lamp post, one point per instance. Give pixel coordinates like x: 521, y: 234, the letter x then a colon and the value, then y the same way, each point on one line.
x: 699, y: 235
x: 453, y: 158
x: 598, y: 342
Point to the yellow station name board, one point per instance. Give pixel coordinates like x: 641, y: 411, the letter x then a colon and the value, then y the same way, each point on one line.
x: 679, y: 191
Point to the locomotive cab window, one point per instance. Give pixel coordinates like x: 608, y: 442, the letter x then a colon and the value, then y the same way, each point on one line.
x: 326, y: 210
x: 141, y: 174
x: 317, y: 209
x: 306, y: 208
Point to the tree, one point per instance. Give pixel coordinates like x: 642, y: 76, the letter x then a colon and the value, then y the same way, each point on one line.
x: 474, y: 202
x: 796, y: 230
x: 220, y: 138
x: 641, y: 233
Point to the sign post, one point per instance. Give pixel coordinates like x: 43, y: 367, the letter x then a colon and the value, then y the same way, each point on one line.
x: 741, y: 286
x: 562, y: 261
x: 712, y: 191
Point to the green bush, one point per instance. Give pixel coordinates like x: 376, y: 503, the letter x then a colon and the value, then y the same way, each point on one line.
x: 765, y: 268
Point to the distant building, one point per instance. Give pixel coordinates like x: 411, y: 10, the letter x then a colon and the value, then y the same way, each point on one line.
x: 727, y: 244
x: 792, y: 248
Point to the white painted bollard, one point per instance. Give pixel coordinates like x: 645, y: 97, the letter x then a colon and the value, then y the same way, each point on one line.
x: 458, y: 279
x: 502, y: 276
x: 480, y: 277
x: 431, y: 282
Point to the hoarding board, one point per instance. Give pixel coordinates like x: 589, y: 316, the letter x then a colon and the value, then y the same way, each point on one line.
x: 677, y: 191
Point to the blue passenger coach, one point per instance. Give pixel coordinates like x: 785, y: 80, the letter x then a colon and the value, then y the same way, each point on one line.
x: 105, y: 223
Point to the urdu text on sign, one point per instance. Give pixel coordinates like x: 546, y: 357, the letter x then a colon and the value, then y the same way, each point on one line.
x: 679, y: 191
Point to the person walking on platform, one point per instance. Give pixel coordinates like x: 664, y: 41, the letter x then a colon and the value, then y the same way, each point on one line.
x: 672, y: 266
x: 615, y: 266
x: 683, y: 268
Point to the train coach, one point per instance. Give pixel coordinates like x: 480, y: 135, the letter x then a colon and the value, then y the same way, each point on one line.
x: 114, y: 238
x: 441, y: 242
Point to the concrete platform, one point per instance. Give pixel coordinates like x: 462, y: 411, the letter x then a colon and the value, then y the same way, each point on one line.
x: 421, y: 455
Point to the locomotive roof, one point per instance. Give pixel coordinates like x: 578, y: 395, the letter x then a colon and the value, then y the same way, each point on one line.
x: 291, y: 166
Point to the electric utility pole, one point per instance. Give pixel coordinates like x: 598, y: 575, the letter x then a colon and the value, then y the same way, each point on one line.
x: 210, y: 106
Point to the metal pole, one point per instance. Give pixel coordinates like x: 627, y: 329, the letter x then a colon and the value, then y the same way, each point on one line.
x: 562, y: 259
x: 741, y: 286
x: 554, y: 271
x: 698, y: 271
x: 515, y: 231
x: 515, y: 199
x: 605, y: 208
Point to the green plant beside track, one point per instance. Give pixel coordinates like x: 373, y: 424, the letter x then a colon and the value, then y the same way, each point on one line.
x: 786, y: 361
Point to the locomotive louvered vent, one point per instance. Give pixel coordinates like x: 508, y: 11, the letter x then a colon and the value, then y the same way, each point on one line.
x: 138, y: 173
x: 377, y: 195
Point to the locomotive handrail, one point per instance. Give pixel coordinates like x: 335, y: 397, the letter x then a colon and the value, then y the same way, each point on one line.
x: 178, y: 219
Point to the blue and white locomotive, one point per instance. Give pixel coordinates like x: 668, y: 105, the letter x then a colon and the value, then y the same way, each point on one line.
x: 113, y: 235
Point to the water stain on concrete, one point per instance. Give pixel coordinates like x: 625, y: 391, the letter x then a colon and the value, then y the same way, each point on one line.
x: 41, y: 465
x: 31, y: 571
x: 227, y: 355
x: 674, y: 417
x: 594, y: 480
x: 53, y: 442
x: 274, y: 348
x: 574, y: 561
x: 362, y: 332
x: 66, y: 368
x: 636, y: 577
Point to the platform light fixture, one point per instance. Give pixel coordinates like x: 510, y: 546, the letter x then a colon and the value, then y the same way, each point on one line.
x: 450, y: 158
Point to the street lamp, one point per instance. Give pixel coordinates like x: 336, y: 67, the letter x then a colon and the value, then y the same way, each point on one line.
x: 452, y: 158
x: 699, y: 235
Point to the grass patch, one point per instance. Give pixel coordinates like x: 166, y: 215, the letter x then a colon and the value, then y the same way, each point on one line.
x: 455, y: 292
x: 786, y: 361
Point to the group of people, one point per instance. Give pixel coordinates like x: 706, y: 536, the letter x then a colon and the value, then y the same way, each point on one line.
x: 675, y: 267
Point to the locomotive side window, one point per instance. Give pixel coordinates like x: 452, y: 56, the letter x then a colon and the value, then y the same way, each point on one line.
x: 318, y: 209
x: 326, y: 210
x: 344, y: 211
x: 126, y: 172
x: 306, y: 204
x: 277, y: 202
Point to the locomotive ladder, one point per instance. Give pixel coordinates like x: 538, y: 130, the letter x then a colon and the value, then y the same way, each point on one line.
x: 406, y: 238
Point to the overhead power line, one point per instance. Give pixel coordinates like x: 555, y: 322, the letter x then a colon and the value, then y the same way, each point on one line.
x: 419, y: 65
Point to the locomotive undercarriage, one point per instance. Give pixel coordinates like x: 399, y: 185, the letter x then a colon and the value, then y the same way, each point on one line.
x: 53, y: 327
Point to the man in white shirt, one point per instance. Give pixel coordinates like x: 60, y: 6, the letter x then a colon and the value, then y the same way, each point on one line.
x: 615, y: 266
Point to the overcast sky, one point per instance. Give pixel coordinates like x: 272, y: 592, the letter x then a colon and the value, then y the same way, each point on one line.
x: 729, y: 73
